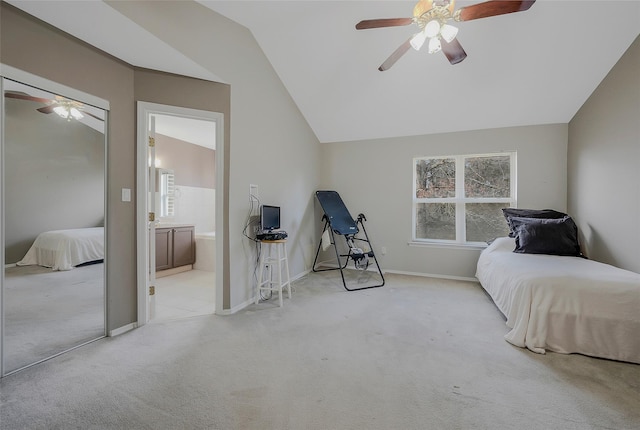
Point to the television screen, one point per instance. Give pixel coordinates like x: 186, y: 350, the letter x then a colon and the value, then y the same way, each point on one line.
x: 269, y: 217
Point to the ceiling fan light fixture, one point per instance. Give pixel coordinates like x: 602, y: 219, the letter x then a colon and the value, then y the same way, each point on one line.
x: 434, y: 45
x: 62, y: 111
x: 67, y: 111
x: 449, y: 32
x: 75, y: 113
x: 432, y: 28
x: 418, y: 40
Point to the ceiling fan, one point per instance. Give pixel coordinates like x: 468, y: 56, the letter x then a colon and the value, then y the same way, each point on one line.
x: 66, y: 108
x: 431, y: 17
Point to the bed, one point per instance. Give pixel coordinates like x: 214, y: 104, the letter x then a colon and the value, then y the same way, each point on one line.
x: 66, y: 249
x: 563, y: 304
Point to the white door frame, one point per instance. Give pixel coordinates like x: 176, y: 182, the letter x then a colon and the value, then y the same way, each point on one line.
x: 145, y: 109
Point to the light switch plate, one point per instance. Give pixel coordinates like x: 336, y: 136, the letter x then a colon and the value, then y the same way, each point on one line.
x: 126, y: 194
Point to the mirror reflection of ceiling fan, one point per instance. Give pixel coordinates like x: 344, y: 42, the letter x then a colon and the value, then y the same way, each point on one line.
x: 431, y: 17
x: 66, y: 108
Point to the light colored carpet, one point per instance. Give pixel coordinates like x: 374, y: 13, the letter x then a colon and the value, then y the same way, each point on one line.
x: 47, y: 312
x: 415, y: 354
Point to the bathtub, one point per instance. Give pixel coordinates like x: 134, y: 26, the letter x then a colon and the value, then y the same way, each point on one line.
x: 206, y: 251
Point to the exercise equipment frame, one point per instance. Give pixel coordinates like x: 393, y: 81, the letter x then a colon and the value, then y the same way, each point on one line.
x: 338, y: 221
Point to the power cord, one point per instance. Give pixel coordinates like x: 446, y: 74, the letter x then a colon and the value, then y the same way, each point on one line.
x: 258, y: 281
x: 254, y: 203
x: 253, y: 200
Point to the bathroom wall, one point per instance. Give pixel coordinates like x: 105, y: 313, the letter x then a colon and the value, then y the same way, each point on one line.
x: 194, y: 168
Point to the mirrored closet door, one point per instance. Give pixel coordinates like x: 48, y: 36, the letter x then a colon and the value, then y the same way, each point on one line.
x: 53, y: 175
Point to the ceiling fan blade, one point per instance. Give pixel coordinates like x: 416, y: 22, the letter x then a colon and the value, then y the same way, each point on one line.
x: 22, y: 96
x: 47, y: 109
x: 454, y: 51
x: 402, y: 49
x: 491, y: 8
x: 385, y: 22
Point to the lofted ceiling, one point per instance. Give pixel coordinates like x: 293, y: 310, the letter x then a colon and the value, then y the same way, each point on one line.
x: 94, y: 119
x: 195, y: 131
x: 533, y: 67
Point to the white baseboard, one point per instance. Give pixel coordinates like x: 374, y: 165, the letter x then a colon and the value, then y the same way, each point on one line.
x: 252, y: 300
x: 300, y: 275
x: 432, y: 275
x: 333, y: 266
x: 173, y: 271
x: 372, y: 267
x: 123, y: 329
x: 236, y: 308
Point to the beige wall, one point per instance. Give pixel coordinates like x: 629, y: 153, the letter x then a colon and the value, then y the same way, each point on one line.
x: 54, y: 172
x: 193, y: 165
x: 274, y: 148
x: 604, y: 166
x: 35, y: 47
x: 163, y: 88
x: 271, y: 146
x: 375, y: 177
x: 42, y: 50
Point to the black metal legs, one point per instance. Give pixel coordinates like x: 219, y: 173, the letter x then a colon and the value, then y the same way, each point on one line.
x: 359, y: 257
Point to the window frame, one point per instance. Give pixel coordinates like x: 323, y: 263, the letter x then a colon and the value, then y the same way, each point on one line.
x: 461, y: 200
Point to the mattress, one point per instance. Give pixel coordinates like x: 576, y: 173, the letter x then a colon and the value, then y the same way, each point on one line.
x: 65, y: 249
x: 563, y: 304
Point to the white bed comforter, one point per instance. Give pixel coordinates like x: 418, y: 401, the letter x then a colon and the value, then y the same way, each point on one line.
x: 65, y: 249
x: 563, y: 304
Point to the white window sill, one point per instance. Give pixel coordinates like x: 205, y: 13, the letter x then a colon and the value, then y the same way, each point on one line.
x: 465, y: 246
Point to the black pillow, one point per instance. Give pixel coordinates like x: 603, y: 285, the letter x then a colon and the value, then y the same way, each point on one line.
x: 546, y: 236
x: 529, y: 213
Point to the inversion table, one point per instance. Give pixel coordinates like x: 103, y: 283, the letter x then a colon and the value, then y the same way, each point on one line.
x: 338, y: 222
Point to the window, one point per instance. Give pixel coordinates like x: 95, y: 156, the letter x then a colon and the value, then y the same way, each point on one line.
x: 458, y: 199
x: 166, y: 189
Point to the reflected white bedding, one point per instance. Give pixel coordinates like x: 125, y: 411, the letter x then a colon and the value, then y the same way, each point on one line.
x: 563, y: 304
x: 65, y: 249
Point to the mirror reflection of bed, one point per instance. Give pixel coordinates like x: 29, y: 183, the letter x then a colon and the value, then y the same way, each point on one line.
x: 54, y: 211
x: 185, y: 207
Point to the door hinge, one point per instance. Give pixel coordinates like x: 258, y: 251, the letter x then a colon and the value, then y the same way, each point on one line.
x: 152, y: 141
x: 152, y: 290
x: 152, y: 216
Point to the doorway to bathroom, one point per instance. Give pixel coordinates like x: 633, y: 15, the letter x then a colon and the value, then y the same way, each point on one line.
x: 179, y: 171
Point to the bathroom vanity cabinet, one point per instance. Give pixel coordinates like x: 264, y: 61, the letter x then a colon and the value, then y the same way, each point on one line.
x: 175, y: 247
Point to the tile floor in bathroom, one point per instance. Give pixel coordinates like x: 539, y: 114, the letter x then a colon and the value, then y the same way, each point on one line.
x: 185, y: 294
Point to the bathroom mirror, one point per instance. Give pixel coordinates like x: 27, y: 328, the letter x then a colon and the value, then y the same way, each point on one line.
x: 54, y: 168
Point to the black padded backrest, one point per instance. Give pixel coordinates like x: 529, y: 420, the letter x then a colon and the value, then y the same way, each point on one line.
x: 340, y: 219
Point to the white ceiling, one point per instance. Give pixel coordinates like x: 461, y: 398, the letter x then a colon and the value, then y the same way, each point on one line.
x: 533, y: 67
x: 190, y: 130
x: 95, y: 120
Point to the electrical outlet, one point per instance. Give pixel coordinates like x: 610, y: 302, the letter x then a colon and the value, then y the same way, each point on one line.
x: 253, y: 192
x: 254, y: 224
x: 383, y: 250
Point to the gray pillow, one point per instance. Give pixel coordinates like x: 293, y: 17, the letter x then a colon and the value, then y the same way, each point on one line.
x: 546, y: 236
x: 529, y: 213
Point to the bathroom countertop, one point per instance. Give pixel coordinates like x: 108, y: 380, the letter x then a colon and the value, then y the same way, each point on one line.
x: 172, y: 225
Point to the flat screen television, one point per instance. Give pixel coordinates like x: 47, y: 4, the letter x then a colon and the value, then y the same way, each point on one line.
x: 269, y: 217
